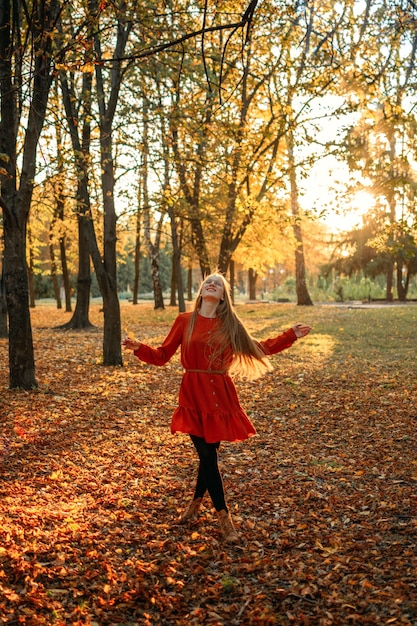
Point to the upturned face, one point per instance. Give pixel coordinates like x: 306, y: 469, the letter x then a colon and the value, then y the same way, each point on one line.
x: 213, y: 288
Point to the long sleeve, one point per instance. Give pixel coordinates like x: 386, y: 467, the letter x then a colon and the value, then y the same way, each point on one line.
x: 279, y: 343
x: 161, y: 355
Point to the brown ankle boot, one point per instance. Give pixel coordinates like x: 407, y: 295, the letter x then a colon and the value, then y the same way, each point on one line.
x: 226, y: 527
x: 191, y: 512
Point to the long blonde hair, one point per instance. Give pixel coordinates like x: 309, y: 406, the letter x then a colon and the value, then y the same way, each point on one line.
x: 248, y: 359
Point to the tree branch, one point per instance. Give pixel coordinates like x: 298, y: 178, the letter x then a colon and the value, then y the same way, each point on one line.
x: 247, y: 17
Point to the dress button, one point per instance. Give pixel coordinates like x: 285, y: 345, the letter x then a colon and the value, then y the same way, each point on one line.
x: 211, y: 380
x: 214, y: 393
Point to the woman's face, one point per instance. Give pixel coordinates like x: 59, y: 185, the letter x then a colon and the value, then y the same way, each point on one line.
x: 213, y: 288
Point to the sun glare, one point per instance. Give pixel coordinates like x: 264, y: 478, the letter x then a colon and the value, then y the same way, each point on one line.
x: 327, y: 195
x: 360, y: 204
x: 351, y: 215
x: 362, y: 201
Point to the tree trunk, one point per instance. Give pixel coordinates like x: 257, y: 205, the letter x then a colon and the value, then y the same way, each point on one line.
x: 232, y: 279
x: 21, y: 356
x: 112, y: 326
x: 4, y: 333
x: 190, y: 283
x: 17, y: 187
x: 80, y: 317
x: 176, y: 261
x: 390, y: 281
x: 54, y: 272
x: 65, y: 274
x: 191, y: 190
x: 137, y: 257
x: 252, y: 278
x: 200, y: 245
x: 30, y: 270
x: 153, y: 246
x: 303, y: 297
x: 59, y: 214
x: 106, y: 271
x: 81, y: 149
x: 177, y: 284
x: 105, y: 265
x: 173, y: 294
x: 156, y: 279
x: 153, y: 251
x: 402, y: 286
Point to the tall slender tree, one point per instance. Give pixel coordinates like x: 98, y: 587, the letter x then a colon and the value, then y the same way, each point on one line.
x: 26, y: 71
x: 78, y: 116
x: 153, y: 243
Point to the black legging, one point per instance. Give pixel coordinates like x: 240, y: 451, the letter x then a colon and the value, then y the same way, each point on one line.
x: 209, y: 477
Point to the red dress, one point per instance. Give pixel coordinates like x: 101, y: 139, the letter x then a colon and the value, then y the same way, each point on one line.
x: 208, y: 405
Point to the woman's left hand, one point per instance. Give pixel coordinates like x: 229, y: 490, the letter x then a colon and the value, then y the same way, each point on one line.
x: 301, y: 330
x: 131, y: 344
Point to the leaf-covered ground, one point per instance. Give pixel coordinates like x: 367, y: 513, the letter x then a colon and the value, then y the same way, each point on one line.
x: 324, y: 498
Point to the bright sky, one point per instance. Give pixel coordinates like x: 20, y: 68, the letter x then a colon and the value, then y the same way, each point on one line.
x: 328, y: 177
x: 326, y: 185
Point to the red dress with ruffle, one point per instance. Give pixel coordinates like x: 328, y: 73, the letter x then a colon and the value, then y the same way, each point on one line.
x: 208, y: 405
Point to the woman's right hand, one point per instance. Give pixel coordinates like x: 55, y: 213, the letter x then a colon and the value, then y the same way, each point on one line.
x: 130, y: 343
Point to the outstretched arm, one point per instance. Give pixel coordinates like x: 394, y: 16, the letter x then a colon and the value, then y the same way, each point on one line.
x: 161, y: 355
x: 284, y: 340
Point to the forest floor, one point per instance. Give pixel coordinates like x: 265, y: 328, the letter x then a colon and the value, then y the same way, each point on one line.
x: 324, y: 497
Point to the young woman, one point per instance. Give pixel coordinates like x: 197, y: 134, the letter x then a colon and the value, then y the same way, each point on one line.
x: 214, y: 344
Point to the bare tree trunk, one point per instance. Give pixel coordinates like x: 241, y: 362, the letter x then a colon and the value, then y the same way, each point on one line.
x: 176, y: 262
x: 105, y: 265
x: 3, y: 307
x: 156, y: 279
x: 137, y: 257
x: 59, y: 214
x: 17, y: 187
x: 81, y: 149
x: 153, y: 246
x: 191, y: 189
x: 3, y: 304
x: 65, y: 274
x: 173, y: 295
x: 106, y: 271
x: 252, y: 278
x: 30, y: 269
x: 232, y: 279
x: 54, y: 272
x: 21, y: 355
x: 402, y: 285
x: 177, y: 284
x: 303, y: 297
x: 389, y: 291
x: 390, y: 195
x: 190, y: 283
x: 80, y: 317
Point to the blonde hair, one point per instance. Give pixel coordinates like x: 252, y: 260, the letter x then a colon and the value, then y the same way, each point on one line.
x: 248, y: 358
